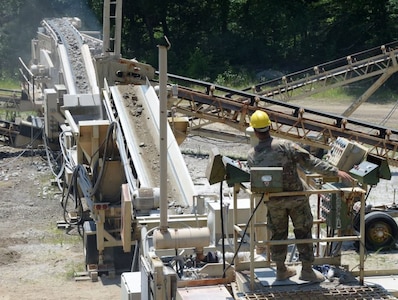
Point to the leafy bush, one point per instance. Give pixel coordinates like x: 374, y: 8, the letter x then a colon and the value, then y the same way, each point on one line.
x: 234, y: 79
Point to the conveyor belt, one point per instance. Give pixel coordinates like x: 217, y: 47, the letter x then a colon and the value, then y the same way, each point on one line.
x: 289, y: 121
x: 68, y: 38
x: 138, y: 139
x: 352, y: 68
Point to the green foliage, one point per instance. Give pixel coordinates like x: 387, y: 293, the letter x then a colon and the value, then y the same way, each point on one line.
x: 8, y: 83
x: 339, y: 93
x: 234, y: 79
x: 72, y: 269
x: 198, y: 63
x: 210, y: 38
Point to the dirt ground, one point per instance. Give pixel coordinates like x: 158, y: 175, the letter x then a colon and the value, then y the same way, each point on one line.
x: 38, y: 260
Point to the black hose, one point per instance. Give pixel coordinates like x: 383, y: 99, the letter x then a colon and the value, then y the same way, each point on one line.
x: 76, y: 197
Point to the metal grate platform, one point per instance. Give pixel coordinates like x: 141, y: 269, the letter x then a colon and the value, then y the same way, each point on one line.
x: 357, y: 292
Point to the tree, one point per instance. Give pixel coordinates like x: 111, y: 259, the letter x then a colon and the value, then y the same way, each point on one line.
x: 210, y: 37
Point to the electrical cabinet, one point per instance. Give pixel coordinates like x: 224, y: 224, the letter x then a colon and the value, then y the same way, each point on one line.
x: 131, y: 286
x: 335, y: 206
x: 266, y: 179
x: 345, y: 154
x: 366, y: 172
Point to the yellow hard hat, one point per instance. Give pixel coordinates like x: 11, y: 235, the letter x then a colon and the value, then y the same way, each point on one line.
x: 260, y: 121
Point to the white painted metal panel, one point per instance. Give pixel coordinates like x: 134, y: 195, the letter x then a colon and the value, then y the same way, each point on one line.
x: 204, y: 292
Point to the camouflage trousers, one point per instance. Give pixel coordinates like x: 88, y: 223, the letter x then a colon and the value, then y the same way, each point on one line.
x: 299, y: 211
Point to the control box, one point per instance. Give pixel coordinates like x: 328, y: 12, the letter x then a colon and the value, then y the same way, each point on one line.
x: 345, y: 154
x: 222, y: 168
x: 266, y: 179
x: 366, y: 172
x: 235, y: 171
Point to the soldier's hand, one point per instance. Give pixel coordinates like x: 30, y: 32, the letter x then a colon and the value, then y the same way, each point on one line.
x: 345, y: 176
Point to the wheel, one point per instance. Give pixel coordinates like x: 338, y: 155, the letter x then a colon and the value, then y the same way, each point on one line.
x: 381, y: 231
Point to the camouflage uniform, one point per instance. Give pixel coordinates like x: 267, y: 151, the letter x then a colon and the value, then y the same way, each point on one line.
x: 274, y: 152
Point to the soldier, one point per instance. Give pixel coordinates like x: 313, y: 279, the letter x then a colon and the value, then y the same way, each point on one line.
x: 274, y: 152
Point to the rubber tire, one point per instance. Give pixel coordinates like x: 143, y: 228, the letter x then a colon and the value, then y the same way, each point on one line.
x: 378, y: 222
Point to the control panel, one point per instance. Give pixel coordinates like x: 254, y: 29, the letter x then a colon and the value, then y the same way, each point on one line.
x: 266, y: 179
x: 335, y: 207
x: 366, y: 172
x: 345, y: 154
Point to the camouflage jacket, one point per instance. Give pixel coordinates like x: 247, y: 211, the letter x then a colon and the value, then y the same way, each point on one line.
x: 274, y: 152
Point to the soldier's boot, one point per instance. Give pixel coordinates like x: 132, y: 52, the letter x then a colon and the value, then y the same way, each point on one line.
x: 283, y: 272
x: 309, y: 274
